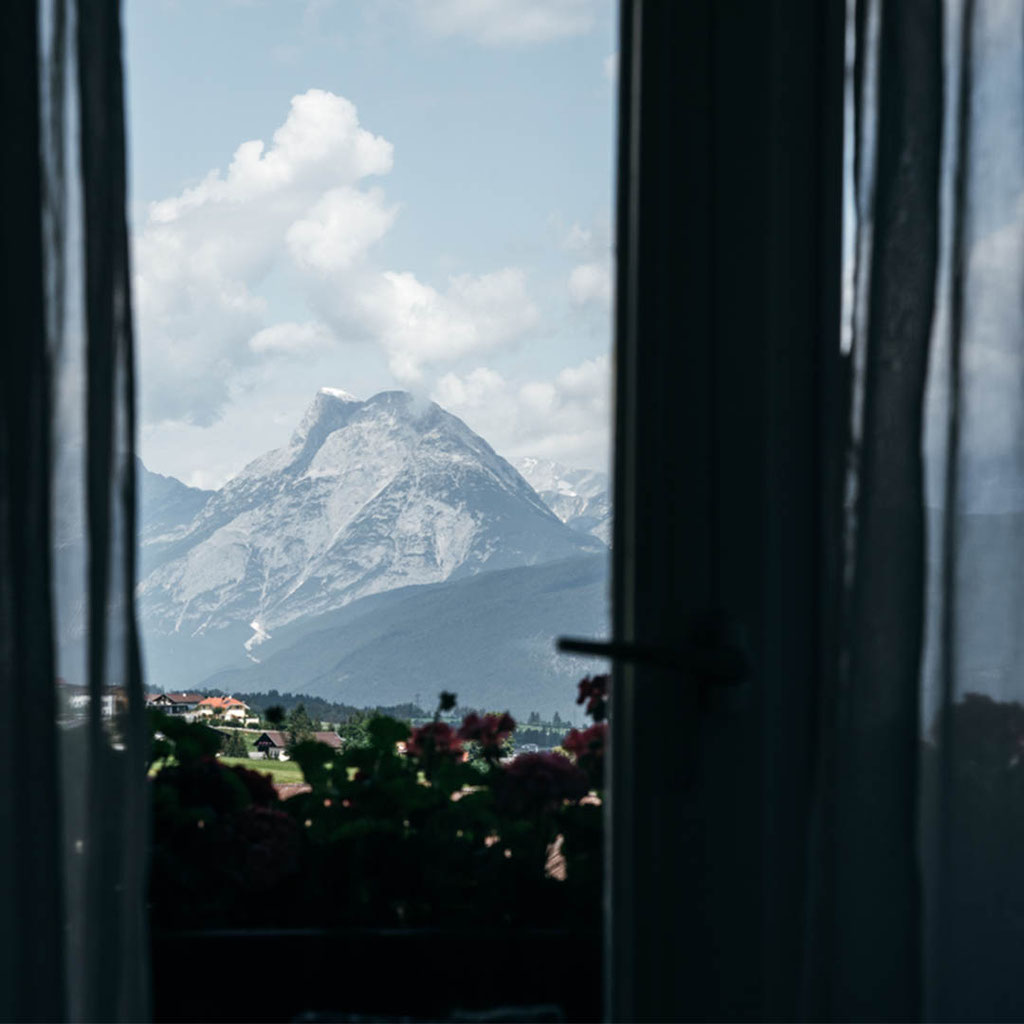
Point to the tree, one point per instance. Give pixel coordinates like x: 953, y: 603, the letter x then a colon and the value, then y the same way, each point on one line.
x: 234, y: 745
x: 300, y: 726
x: 353, y: 730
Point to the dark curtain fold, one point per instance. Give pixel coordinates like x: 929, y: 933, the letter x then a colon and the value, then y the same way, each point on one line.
x: 877, y: 884
x: 864, y: 942
x: 73, y: 818
x: 116, y: 861
x: 31, y: 908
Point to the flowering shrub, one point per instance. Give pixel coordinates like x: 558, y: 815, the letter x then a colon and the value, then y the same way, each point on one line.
x: 588, y: 747
x: 407, y: 828
x: 593, y: 690
x: 535, y: 783
x: 490, y: 731
x: 435, y: 739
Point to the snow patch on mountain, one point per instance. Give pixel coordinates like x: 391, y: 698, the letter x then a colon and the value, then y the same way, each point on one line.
x: 343, y: 396
x: 259, y: 636
x: 579, y: 497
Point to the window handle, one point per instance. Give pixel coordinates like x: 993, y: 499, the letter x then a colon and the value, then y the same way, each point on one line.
x: 713, y: 651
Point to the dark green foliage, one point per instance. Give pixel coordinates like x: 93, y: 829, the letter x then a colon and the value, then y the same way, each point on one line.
x: 324, y: 710
x: 353, y: 731
x: 234, y: 745
x: 183, y: 741
x: 399, y: 828
x: 299, y: 725
x: 220, y: 842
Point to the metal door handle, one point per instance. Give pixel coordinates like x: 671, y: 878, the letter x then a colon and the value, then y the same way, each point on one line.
x: 713, y: 651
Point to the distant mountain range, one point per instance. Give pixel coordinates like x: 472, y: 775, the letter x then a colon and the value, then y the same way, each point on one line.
x: 384, y: 550
x: 579, y: 497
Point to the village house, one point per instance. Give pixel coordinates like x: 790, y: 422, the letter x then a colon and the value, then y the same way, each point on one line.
x: 230, y: 709
x: 174, y: 703
x: 273, y: 743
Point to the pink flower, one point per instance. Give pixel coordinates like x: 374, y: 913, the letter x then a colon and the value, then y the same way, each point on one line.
x: 437, y: 738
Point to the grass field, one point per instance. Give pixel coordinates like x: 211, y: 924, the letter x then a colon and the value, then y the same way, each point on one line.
x: 280, y: 771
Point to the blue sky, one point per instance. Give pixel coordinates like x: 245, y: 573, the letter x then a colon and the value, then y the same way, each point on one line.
x: 433, y: 213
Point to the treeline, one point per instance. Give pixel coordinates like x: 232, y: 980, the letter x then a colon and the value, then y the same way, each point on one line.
x: 544, y: 737
x: 317, y: 708
x: 531, y: 729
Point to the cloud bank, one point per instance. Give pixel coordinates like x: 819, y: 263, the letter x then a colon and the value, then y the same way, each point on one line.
x: 305, y: 205
x: 566, y: 418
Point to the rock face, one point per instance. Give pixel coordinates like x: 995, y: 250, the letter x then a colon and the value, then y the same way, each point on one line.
x: 579, y: 497
x: 166, y: 508
x: 367, y: 497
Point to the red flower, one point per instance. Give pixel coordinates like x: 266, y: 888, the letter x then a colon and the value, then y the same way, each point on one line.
x: 588, y: 747
x: 437, y: 738
x: 538, y: 781
x: 594, y: 691
x: 490, y: 732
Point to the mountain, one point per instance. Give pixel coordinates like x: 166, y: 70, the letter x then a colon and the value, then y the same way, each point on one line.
x: 579, y: 497
x: 166, y: 508
x: 490, y: 639
x: 367, y: 497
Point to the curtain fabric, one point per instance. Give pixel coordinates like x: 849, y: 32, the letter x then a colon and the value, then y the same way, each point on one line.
x: 865, y: 947
x: 972, y: 725
x: 73, y: 818
x: 916, y: 904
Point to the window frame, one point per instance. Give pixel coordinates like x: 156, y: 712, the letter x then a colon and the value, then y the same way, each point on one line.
x: 727, y: 339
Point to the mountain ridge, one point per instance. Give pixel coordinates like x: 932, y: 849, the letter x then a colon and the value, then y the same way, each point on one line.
x: 581, y: 498
x: 366, y: 496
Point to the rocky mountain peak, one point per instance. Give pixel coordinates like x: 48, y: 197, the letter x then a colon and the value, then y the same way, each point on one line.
x: 366, y: 497
x: 330, y: 409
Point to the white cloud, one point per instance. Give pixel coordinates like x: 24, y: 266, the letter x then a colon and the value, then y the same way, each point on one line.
x: 567, y: 418
x: 418, y: 325
x: 591, y: 282
x: 578, y: 239
x: 507, y: 22
x: 321, y: 142
x: 292, y: 339
x: 202, y: 256
x: 339, y: 229
x: 299, y: 206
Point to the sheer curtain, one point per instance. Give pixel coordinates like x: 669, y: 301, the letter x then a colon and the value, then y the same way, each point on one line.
x: 73, y: 818
x: 917, y: 896
x: 973, y: 680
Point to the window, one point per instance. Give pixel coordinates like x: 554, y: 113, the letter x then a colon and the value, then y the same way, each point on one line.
x: 373, y: 281
x: 348, y: 213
